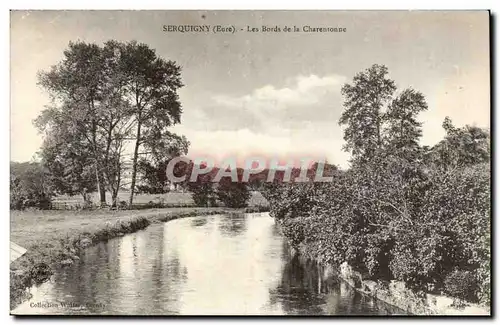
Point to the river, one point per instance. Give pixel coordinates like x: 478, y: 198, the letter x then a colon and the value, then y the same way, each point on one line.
x: 211, y: 265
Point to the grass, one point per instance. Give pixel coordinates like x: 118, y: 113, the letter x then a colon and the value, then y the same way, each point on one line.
x: 169, y: 199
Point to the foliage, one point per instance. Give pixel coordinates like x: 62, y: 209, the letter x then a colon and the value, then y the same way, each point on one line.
x: 29, y: 186
x: 364, y: 100
x: 150, y: 85
x: 202, y: 191
x: 403, y: 129
x: 461, y: 285
x: 102, y: 97
x: 233, y: 194
x: 293, y: 229
x: 461, y: 147
x: 154, y: 177
x: 71, y: 170
x: 401, y: 211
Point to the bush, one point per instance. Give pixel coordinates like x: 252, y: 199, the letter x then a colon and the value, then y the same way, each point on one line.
x: 291, y: 200
x: 202, y: 198
x: 416, y: 230
x: 29, y: 187
x: 233, y: 194
x: 202, y: 191
x: 293, y: 229
x: 460, y: 204
x: 461, y: 285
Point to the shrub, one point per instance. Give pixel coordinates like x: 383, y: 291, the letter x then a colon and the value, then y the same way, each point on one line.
x: 291, y: 200
x: 394, y: 221
x: 123, y: 205
x: 293, y: 229
x: 29, y: 187
x: 459, y: 203
x: 462, y: 285
x: 233, y: 194
x: 202, y: 191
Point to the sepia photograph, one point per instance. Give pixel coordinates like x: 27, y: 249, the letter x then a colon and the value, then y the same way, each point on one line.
x: 250, y: 163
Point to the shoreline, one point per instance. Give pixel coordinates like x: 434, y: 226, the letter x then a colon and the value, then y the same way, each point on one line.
x: 35, y: 266
x: 395, y: 293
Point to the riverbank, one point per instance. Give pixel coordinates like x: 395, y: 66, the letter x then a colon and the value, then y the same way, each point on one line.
x: 396, y: 293
x: 55, y: 238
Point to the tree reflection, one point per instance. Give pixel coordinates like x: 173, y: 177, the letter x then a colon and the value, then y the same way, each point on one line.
x: 232, y: 225
x: 199, y: 222
x: 297, y: 290
x: 306, y: 289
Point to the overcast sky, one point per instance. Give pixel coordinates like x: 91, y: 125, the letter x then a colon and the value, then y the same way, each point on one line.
x: 274, y: 93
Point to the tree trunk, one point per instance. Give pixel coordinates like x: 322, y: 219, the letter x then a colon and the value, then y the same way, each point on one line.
x: 85, y: 197
x: 98, y: 172
x: 102, y: 193
x: 114, y: 197
x: 134, y: 164
x: 100, y: 188
x: 379, y: 138
x: 115, y: 192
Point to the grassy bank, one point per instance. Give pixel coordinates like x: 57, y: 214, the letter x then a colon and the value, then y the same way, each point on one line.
x: 55, y: 238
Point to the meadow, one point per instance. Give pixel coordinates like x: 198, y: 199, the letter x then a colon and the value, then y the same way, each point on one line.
x: 170, y: 199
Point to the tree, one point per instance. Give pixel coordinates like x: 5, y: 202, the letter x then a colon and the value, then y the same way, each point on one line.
x: 404, y: 130
x: 150, y: 85
x: 115, y: 117
x: 364, y: 102
x: 461, y: 147
x: 87, y: 110
x: 154, y: 178
x: 104, y: 95
x: 74, y: 86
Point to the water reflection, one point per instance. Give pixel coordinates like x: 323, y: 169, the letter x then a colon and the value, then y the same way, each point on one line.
x: 225, y: 264
x: 232, y: 225
x: 198, y: 222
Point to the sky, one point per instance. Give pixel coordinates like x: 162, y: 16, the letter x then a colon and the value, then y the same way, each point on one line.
x: 273, y: 94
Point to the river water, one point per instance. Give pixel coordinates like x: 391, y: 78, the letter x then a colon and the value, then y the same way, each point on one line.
x: 210, y: 265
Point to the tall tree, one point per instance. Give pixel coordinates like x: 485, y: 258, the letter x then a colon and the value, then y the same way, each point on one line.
x: 116, y: 117
x: 88, y: 109
x: 403, y: 130
x: 75, y: 87
x: 151, y: 85
x: 365, y: 100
